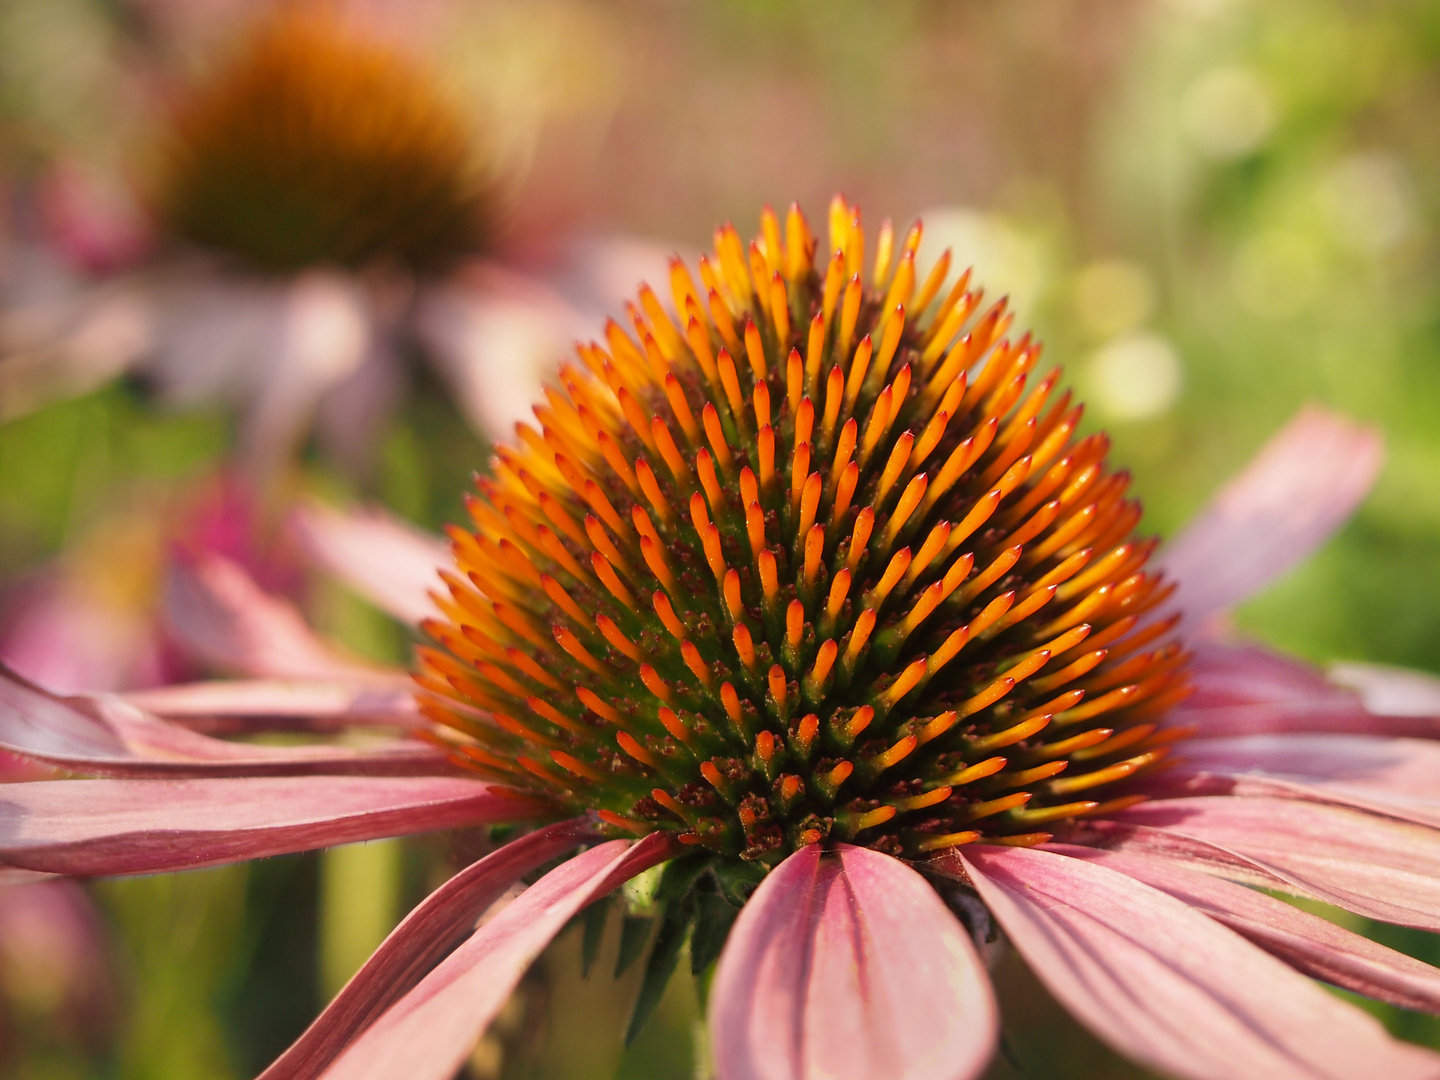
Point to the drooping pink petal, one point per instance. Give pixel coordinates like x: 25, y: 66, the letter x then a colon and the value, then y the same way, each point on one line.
x: 232, y: 706
x: 1169, y: 987
x: 437, y: 924
x: 1248, y: 690
x: 326, y: 330
x: 849, y: 966
x: 90, y: 827
x: 1297, y: 490
x: 1372, y: 865
x: 389, y: 562
x: 216, y: 611
x: 427, y: 1034
x: 109, y: 737
x: 494, y: 336
x: 1306, y: 942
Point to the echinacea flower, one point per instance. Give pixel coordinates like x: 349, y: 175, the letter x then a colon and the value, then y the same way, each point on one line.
x: 320, y: 211
x: 808, y: 590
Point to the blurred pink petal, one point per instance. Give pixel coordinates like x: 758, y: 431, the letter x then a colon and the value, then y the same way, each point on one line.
x: 92, y: 219
x: 280, y: 704
x: 1172, y: 989
x: 216, y: 611
x: 1297, y: 490
x: 414, y: 947
x: 849, y: 966
x: 57, y: 347
x: 1306, y: 942
x: 1371, y: 865
x: 325, y: 334
x: 495, y: 336
x: 62, y: 635
x: 1248, y: 690
x: 429, y: 1032
x: 109, y: 737
x: 389, y: 562
x: 89, y: 827
x: 53, y: 955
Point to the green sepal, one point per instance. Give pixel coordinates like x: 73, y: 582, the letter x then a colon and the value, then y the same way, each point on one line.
x: 594, y: 917
x: 737, y: 880
x: 634, y: 933
x: 714, y: 915
x: 674, y: 927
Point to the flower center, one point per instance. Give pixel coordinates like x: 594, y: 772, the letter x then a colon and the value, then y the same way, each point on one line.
x: 817, y: 561
x: 315, y: 145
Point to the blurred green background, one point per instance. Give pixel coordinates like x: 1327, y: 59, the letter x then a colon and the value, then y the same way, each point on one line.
x: 1212, y: 211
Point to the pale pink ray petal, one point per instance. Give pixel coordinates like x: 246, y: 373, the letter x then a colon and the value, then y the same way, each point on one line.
x: 1248, y: 690
x: 848, y: 966
x: 1397, y: 768
x: 217, y: 611
x: 1306, y: 942
x: 428, y: 1033
x: 1371, y: 865
x: 106, y: 736
x: 1392, y: 691
x: 437, y: 924
x: 1171, y: 988
x: 232, y: 706
x: 1171, y: 785
x: 1394, y: 777
x: 90, y: 827
x: 1297, y: 490
x: 390, y: 562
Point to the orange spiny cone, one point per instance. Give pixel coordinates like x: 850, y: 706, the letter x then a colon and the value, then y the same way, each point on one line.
x: 811, y: 552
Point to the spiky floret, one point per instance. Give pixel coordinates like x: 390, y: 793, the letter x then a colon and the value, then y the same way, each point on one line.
x: 316, y: 144
x: 810, y: 559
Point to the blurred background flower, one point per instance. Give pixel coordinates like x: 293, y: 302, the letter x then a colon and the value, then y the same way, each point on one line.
x: 1211, y: 210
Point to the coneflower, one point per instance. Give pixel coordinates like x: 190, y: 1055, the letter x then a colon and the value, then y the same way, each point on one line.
x: 318, y: 144
x: 828, y: 603
x: 820, y: 558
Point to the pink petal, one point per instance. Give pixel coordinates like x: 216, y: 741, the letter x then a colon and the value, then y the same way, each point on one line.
x: 414, y: 947
x: 427, y: 1034
x: 1397, y: 768
x: 1393, y: 777
x: 1169, y: 987
x: 87, y: 827
x: 1392, y: 691
x: 107, y: 736
x: 239, y: 705
x: 216, y: 610
x: 494, y: 336
x: 325, y: 332
x: 849, y: 966
x: 389, y: 562
x: 1371, y: 865
x: 1297, y: 490
x: 1306, y: 942
x: 1247, y: 690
